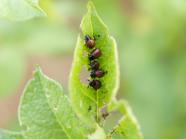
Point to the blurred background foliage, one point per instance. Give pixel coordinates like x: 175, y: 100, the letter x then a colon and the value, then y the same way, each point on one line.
x: 151, y: 37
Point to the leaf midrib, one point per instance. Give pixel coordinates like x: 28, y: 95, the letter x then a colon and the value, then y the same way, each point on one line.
x: 97, y: 99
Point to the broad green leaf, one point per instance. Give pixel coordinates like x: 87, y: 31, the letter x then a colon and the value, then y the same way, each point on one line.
x: 17, y: 10
x: 11, y: 70
x: 84, y: 97
x: 45, y: 111
x: 127, y: 127
x: 10, y: 135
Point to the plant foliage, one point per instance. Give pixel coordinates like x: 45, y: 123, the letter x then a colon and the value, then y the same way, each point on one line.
x: 45, y: 112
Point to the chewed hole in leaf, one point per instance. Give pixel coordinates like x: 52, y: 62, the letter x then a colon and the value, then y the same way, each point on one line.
x: 112, y: 120
x: 104, y: 112
x: 84, y: 75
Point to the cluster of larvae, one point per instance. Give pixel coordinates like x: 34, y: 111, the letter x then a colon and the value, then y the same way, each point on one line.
x: 95, y: 71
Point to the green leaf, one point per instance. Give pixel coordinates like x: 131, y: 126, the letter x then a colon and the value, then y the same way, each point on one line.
x: 45, y: 111
x: 127, y: 127
x: 84, y: 97
x: 17, y: 10
x: 10, y: 135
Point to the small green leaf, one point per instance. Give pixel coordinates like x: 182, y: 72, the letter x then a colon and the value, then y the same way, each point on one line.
x: 45, y: 111
x: 127, y: 127
x: 10, y: 135
x: 17, y: 10
x: 86, y: 100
